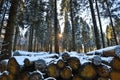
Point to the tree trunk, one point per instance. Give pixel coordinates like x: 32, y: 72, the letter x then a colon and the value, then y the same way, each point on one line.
x: 30, y: 39
x: 2, y: 22
x: 15, y: 39
x: 100, y: 24
x: 111, y: 22
x: 97, y: 40
x: 73, y: 28
x: 56, y: 29
x: 1, y: 4
x: 7, y: 43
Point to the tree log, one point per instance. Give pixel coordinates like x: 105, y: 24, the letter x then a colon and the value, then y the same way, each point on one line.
x: 74, y: 63
x: 3, y: 76
x: 13, y: 67
x: 23, y: 76
x: 40, y: 65
x: 108, y: 53
x: 66, y: 73
x: 65, y: 56
x: 87, y: 71
x: 60, y: 64
x: 102, y: 78
x: 3, y: 66
x: 77, y: 78
x: 115, y: 75
x: 115, y: 63
x: 12, y: 77
x: 103, y: 71
x: 52, y: 70
x: 35, y: 76
x: 28, y: 66
x: 115, y: 52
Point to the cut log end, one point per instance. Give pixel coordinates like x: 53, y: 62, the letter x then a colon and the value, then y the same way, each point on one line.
x: 74, y: 63
x: 66, y: 73
x: 115, y: 75
x: 35, y: 76
x: 103, y: 71
x: 52, y: 70
x: 87, y: 71
x: 13, y: 67
x: 115, y: 63
x: 60, y: 64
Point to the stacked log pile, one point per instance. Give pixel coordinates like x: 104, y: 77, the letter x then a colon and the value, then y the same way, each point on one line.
x: 67, y: 67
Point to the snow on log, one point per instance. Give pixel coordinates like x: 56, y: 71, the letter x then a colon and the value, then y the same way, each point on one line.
x: 35, y: 76
x: 97, y: 60
x: 117, y: 51
x: 113, y: 52
x: 65, y: 56
x: 40, y: 65
x: 50, y: 78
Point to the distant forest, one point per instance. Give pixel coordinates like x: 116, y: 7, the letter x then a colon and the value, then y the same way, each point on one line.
x: 34, y: 25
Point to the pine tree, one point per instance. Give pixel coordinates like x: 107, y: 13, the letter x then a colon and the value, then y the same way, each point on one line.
x: 7, y: 43
x: 111, y: 22
x: 78, y: 34
x: 73, y: 27
x: 97, y: 40
x: 56, y: 28
x: 67, y: 35
x: 85, y: 35
x: 100, y: 24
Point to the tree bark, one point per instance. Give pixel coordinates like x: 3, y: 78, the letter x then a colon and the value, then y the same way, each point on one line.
x: 97, y: 40
x: 56, y: 29
x: 73, y: 28
x: 15, y: 39
x: 7, y: 43
x: 2, y: 22
x: 30, y: 39
x: 1, y: 4
x: 111, y: 22
x: 100, y: 24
